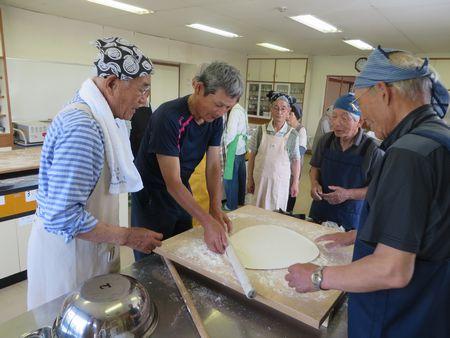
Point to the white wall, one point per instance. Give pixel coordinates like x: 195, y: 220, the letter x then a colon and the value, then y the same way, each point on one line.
x: 39, y: 89
x: 187, y: 73
x: 44, y: 40
x: 165, y: 83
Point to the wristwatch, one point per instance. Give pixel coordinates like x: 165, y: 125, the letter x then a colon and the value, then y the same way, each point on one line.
x: 317, y: 278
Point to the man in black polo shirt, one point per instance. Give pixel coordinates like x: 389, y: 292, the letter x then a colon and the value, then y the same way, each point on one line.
x: 179, y: 134
x: 400, y: 275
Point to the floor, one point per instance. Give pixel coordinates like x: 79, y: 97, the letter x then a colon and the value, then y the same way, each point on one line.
x: 13, y: 299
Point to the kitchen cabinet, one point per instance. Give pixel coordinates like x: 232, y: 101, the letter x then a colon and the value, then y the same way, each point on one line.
x: 260, y: 69
x: 290, y: 70
x: 257, y: 100
x: 23, y: 229
x: 17, y: 208
x: 294, y: 89
x: 266, y: 70
x: 282, y: 70
x: 282, y: 75
x: 14, y: 245
x: 9, y: 255
x: 297, y: 70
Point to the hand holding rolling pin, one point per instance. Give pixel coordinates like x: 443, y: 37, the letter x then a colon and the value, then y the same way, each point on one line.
x: 216, y: 228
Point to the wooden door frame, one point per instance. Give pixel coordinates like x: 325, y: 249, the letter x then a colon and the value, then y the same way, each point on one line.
x: 341, y: 81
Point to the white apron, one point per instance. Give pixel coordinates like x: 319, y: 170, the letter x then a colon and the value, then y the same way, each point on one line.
x: 55, y: 267
x: 272, y: 172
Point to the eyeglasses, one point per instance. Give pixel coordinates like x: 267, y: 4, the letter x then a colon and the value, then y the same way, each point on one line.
x: 353, y: 103
x: 144, y: 91
x: 276, y: 109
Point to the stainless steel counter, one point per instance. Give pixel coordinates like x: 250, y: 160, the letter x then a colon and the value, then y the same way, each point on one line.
x: 225, y: 313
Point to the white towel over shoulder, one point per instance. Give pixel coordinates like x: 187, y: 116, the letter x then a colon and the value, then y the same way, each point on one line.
x: 124, y: 175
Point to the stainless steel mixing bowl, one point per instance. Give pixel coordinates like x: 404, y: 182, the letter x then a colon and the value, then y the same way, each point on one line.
x: 112, y: 305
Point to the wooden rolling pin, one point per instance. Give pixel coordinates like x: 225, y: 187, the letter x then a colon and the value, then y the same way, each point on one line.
x: 198, y: 322
x: 239, y: 270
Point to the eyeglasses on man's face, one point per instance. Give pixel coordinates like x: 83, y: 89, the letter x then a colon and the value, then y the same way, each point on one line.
x: 355, y: 103
x: 282, y: 109
x: 144, y: 91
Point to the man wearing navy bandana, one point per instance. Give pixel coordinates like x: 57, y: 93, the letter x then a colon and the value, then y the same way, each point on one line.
x: 342, y: 167
x: 400, y: 275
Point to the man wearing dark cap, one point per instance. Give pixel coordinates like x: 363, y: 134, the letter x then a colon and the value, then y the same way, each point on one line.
x: 86, y: 162
x: 342, y: 167
x: 400, y: 275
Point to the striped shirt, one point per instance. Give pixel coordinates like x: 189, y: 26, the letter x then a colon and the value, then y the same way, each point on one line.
x: 71, y: 164
x: 292, y: 143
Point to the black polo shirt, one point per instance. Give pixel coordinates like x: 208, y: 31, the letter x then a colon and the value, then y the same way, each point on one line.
x: 373, y: 154
x: 172, y: 131
x: 409, y: 196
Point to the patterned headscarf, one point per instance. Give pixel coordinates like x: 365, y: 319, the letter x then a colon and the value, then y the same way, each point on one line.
x: 121, y: 58
x: 380, y: 69
x: 273, y: 96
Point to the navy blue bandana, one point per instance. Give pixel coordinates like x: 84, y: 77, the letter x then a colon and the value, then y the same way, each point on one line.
x: 121, y: 58
x: 380, y: 69
x: 348, y: 103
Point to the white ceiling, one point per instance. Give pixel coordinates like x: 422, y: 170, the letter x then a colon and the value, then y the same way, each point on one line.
x: 421, y: 26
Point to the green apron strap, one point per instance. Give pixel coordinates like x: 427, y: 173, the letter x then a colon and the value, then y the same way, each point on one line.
x: 230, y: 156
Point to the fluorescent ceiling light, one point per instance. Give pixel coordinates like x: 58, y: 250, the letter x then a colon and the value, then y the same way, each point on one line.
x: 122, y: 6
x: 313, y: 22
x: 213, y: 30
x: 359, y: 44
x: 272, y: 46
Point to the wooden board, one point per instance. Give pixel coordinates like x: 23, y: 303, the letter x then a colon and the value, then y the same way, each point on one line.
x: 20, y: 159
x: 189, y: 250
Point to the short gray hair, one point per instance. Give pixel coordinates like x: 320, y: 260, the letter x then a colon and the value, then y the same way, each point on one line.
x: 220, y: 75
x: 412, y: 88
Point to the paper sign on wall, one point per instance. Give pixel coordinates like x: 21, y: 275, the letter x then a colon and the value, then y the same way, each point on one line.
x: 30, y: 195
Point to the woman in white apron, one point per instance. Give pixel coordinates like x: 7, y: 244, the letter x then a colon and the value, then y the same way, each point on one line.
x: 274, y: 161
x: 86, y: 162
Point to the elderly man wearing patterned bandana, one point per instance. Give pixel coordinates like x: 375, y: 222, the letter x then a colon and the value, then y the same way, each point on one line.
x: 86, y: 162
x: 400, y: 275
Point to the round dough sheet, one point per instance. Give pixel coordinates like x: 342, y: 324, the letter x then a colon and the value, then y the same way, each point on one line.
x: 272, y: 247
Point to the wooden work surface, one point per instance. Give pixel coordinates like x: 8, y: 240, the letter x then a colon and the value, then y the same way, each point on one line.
x: 20, y: 159
x: 189, y: 250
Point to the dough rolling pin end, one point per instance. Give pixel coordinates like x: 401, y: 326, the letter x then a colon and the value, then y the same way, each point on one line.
x: 239, y: 270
